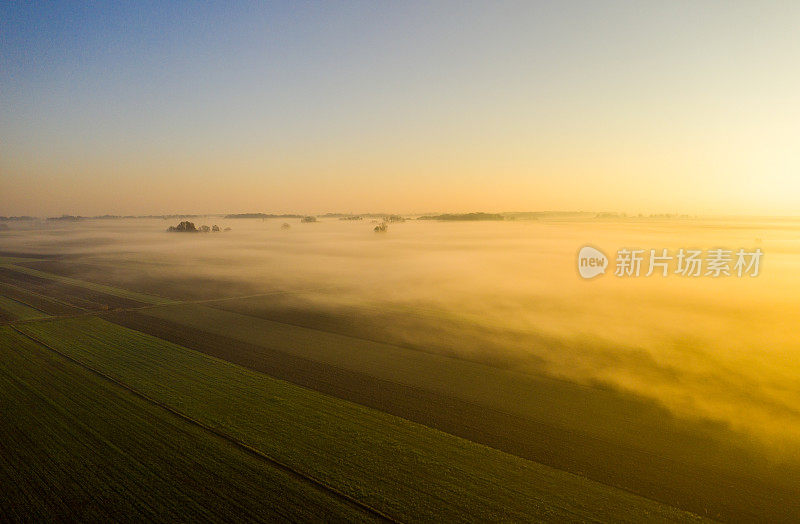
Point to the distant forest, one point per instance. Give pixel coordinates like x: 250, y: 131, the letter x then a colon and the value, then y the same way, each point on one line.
x: 261, y: 215
x: 464, y: 216
x: 75, y: 218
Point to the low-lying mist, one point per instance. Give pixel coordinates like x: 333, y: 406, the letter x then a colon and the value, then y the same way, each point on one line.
x: 503, y: 293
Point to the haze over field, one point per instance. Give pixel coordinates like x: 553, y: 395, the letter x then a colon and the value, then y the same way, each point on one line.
x: 505, y: 293
x: 178, y: 189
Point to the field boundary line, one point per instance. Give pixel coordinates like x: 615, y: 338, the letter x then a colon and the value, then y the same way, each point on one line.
x: 45, y: 297
x: 23, y: 302
x: 144, y: 298
x: 587, y: 436
x: 210, y: 302
x: 319, y: 484
x: 13, y: 300
x: 93, y: 313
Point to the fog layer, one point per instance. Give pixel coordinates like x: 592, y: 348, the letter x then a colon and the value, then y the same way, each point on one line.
x: 505, y: 293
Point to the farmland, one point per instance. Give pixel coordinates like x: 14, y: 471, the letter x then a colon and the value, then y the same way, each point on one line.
x: 517, y: 261
x: 127, y: 424
x: 76, y: 446
x: 394, y: 408
x: 495, y: 407
x: 15, y: 309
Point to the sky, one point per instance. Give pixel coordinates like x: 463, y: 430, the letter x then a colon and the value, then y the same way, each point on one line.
x: 312, y: 107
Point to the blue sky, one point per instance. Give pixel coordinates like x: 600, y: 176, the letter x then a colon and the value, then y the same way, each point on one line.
x: 313, y: 106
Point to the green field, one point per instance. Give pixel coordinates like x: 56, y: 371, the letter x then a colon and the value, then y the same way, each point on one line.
x: 76, y: 446
x: 402, y: 469
x: 560, y: 403
x: 42, y: 303
x: 353, y: 407
x: 16, y: 310
x: 110, y: 290
x: 594, y: 432
x: 356, y: 404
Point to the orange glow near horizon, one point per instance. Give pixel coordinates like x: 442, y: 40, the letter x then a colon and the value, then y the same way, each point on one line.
x: 492, y: 108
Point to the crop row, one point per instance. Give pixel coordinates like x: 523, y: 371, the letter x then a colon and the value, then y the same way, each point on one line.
x: 403, y: 469
x: 75, y: 446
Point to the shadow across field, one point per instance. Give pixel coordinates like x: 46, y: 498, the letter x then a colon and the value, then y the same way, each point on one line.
x: 691, y: 471
x: 65, y: 294
x: 619, y: 438
x: 399, y: 469
x: 176, y: 285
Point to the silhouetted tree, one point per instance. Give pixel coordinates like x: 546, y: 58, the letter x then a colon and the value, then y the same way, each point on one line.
x: 183, y: 227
